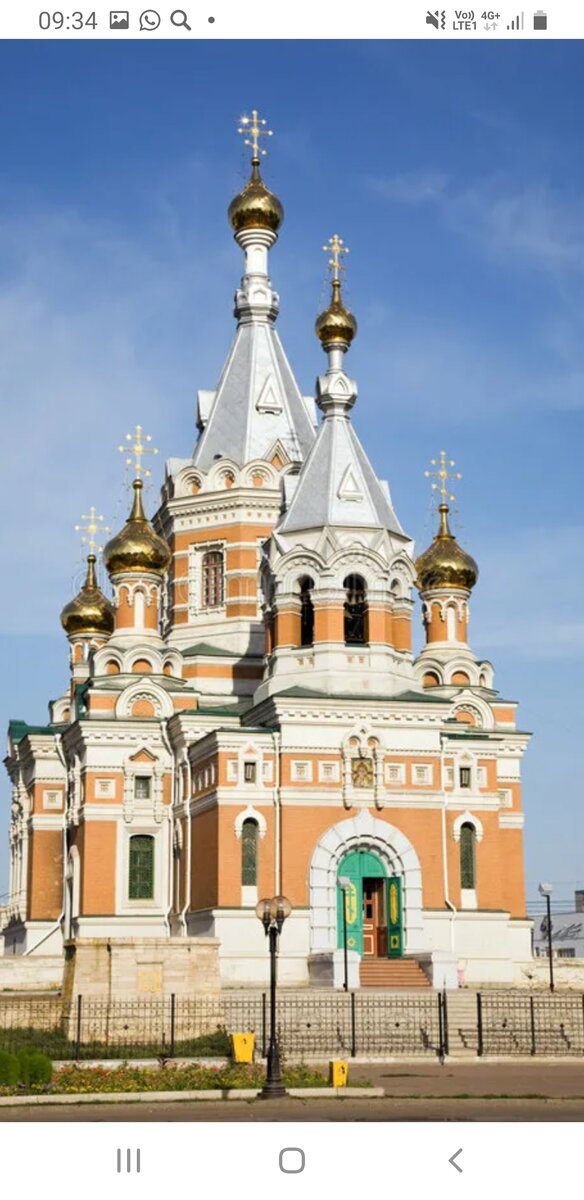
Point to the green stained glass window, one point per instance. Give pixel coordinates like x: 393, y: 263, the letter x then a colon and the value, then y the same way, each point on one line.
x: 141, y: 867
x: 249, y: 853
x: 467, y: 856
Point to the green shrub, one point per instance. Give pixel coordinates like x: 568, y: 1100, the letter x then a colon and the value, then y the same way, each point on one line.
x: 34, y: 1068
x: 8, y: 1069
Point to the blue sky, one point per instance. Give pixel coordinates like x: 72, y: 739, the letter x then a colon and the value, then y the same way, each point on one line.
x: 455, y: 174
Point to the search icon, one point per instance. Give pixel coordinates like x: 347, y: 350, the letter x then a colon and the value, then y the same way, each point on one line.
x: 179, y: 18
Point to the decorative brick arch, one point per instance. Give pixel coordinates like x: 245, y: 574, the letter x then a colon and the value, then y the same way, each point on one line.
x: 364, y: 832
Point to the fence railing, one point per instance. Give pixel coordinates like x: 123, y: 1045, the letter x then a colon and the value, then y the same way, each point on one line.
x: 309, y: 1025
x: 511, y: 1024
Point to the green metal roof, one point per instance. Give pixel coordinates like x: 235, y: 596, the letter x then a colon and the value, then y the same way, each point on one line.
x: 20, y: 729
x: 401, y: 698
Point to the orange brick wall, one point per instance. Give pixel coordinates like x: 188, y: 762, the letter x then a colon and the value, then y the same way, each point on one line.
x: 45, y: 874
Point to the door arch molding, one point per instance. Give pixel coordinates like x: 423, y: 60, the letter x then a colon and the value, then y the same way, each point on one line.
x: 363, y: 832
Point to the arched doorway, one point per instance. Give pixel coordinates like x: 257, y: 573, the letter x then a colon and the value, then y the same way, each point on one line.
x: 373, y: 906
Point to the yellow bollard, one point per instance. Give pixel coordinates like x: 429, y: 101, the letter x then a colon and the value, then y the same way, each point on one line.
x: 243, y: 1047
x: 338, y: 1073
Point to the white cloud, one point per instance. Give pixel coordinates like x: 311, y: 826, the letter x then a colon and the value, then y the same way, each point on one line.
x: 415, y: 188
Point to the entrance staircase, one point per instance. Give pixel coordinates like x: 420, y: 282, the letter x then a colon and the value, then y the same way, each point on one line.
x: 392, y: 973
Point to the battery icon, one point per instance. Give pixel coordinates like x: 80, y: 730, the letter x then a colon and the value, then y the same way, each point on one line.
x: 540, y: 19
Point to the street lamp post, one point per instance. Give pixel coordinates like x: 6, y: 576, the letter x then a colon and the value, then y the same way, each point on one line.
x: 344, y: 882
x: 272, y: 913
x: 546, y: 889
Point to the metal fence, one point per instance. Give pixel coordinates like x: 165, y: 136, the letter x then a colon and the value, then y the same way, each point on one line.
x: 310, y: 1024
x: 510, y: 1024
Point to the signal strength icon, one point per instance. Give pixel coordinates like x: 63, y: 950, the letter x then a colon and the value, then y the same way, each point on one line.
x: 517, y: 22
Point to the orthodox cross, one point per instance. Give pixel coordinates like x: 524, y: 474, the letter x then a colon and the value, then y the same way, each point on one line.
x: 443, y: 474
x: 137, y: 448
x: 254, y: 126
x: 94, y: 526
x: 335, y: 247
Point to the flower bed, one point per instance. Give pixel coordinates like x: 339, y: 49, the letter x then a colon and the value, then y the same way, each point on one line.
x: 169, y: 1078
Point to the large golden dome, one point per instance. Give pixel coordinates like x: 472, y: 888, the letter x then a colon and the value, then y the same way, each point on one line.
x: 445, y: 563
x: 336, y: 324
x: 137, y: 547
x: 256, y: 207
x: 89, y: 611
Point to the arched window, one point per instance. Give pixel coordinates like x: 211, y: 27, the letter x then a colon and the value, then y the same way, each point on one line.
x: 306, y: 611
x: 249, y: 853
x: 212, y: 579
x: 356, y: 623
x: 141, y: 867
x: 468, y: 837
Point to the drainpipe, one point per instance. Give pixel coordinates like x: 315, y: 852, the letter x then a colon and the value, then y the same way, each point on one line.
x: 169, y: 750
x: 183, y: 914
x: 61, y: 916
x: 277, y: 739
x: 447, y: 899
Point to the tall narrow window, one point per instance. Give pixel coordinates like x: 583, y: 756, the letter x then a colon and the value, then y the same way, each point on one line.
x: 306, y: 612
x: 465, y: 778
x: 142, y: 787
x: 356, y: 623
x: 249, y: 853
x: 468, y: 857
x: 212, y: 579
x: 141, y: 869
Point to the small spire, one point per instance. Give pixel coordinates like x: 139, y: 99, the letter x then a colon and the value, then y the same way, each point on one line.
x: 336, y: 326
x: 445, y: 563
x: 137, y: 448
x: 255, y: 127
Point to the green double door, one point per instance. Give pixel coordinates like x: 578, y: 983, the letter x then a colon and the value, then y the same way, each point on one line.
x: 373, y: 905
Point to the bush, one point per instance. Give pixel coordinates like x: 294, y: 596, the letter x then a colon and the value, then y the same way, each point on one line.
x: 34, y: 1068
x: 8, y: 1069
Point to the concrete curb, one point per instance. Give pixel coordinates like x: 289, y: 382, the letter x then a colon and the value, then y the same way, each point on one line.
x: 353, y: 1093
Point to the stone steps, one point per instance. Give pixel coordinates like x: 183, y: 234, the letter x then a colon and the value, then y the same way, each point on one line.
x: 392, y: 973
x: 462, y: 1024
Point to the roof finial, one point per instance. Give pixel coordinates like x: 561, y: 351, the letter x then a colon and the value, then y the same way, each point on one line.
x: 443, y: 474
x: 335, y: 247
x: 336, y: 326
x: 138, y: 449
x: 94, y: 526
x: 254, y: 126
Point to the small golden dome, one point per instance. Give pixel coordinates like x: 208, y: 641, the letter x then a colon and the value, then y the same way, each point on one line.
x: 137, y: 547
x: 336, y: 323
x: 90, y: 611
x: 256, y: 207
x: 445, y: 563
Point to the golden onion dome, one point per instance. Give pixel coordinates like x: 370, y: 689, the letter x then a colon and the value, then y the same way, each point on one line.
x: 89, y: 611
x: 256, y: 207
x: 137, y: 547
x: 445, y: 563
x: 336, y: 324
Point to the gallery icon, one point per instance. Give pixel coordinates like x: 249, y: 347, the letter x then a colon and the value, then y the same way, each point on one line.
x: 119, y: 20
x: 149, y: 19
x: 437, y: 18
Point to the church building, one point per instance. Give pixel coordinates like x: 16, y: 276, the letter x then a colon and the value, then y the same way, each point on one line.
x: 245, y: 717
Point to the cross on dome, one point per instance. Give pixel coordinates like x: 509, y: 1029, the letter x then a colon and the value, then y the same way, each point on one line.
x: 254, y: 127
x: 94, y: 526
x: 336, y: 247
x: 443, y: 474
x: 137, y: 448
